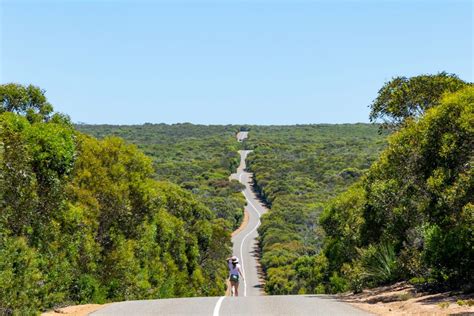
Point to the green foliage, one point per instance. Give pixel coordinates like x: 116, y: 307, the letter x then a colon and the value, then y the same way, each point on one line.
x: 298, y: 169
x: 379, y: 264
x: 303, y: 276
x: 337, y: 283
x: 410, y: 214
x: 52, y: 149
x: 36, y: 160
x: 25, y: 100
x: 354, y: 274
x: 428, y: 166
x: 402, y: 98
x: 83, y: 220
x: 465, y: 302
x: 412, y: 217
x: 405, y: 296
x: 342, y: 220
x: 196, y: 157
x: 424, y: 282
x: 20, y: 277
x: 93, y: 225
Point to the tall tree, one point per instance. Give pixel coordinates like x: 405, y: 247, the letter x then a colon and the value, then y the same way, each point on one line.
x: 25, y: 100
x: 402, y: 98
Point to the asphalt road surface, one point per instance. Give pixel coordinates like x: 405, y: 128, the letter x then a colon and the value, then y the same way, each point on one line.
x: 291, y: 305
x: 251, y: 300
x: 244, y: 243
x: 241, y: 136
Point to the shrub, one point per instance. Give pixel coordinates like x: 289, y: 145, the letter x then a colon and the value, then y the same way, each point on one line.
x: 337, y: 283
x: 354, y: 273
x: 89, y: 289
x: 21, y: 280
x: 379, y: 263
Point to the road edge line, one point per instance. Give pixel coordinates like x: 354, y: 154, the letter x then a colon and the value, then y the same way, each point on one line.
x: 218, y: 306
x: 242, y: 256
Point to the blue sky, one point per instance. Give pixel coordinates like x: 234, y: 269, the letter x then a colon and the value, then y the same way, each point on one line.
x: 221, y: 62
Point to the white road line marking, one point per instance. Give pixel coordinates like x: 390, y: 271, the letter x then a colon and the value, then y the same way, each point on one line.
x: 245, y: 237
x: 218, y: 306
x: 248, y: 234
x: 246, y: 197
x: 242, y: 255
x: 251, y: 204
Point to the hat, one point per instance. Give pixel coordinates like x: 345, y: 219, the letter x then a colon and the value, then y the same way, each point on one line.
x: 235, y: 259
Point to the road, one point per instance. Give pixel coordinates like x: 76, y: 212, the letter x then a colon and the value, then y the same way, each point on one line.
x: 241, y: 136
x: 291, y: 305
x: 251, y: 300
x: 244, y: 243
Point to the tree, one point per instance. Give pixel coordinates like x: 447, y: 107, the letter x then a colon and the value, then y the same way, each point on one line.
x: 82, y: 220
x: 402, y: 98
x: 25, y: 100
x: 419, y: 193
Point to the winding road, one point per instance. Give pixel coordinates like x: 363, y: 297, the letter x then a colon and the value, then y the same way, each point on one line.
x: 252, y: 300
x: 244, y: 243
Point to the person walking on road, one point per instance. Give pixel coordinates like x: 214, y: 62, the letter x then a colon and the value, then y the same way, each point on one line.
x: 234, y: 274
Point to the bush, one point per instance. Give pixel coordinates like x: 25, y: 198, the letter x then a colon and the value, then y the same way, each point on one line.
x: 354, y: 274
x: 83, y: 221
x: 21, y: 281
x: 449, y: 253
x: 337, y: 283
x: 379, y: 264
x: 89, y: 289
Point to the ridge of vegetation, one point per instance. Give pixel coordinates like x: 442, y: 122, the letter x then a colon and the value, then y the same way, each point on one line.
x: 198, y: 158
x: 297, y: 169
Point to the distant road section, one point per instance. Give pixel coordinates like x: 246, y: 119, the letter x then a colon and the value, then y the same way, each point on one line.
x: 250, y: 301
x: 241, y: 136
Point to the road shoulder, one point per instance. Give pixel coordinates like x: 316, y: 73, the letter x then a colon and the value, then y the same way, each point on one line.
x: 403, y: 299
x: 75, y: 310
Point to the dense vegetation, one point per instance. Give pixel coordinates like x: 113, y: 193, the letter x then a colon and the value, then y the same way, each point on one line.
x: 297, y: 169
x: 83, y: 220
x: 409, y: 216
x: 412, y: 215
x: 93, y: 220
x: 199, y: 158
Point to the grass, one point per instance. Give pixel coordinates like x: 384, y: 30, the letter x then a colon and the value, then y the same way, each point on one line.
x: 465, y: 302
x: 405, y: 296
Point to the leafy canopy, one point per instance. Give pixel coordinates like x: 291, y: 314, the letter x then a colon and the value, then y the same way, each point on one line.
x: 402, y: 98
x: 83, y: 220
x: 29, y: 101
